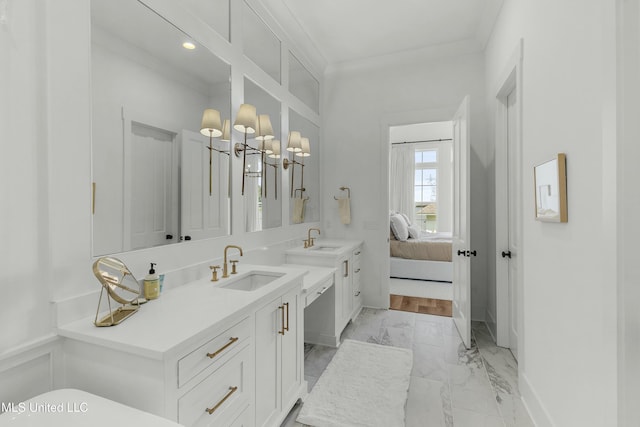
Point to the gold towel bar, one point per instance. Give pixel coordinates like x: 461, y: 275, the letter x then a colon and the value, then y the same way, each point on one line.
x: 347, y: 189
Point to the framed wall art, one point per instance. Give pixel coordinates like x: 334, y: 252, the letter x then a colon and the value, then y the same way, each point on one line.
x: 550, y: 180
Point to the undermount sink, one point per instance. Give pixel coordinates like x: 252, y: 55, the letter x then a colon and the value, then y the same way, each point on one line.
x: 325, y: 248
x: 252, y: 281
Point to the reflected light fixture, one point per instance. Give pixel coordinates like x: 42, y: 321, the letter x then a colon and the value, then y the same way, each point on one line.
x: 293, y: 146
x: 246, y: 123
x: 264, y: 133
x: 211, y: 127
x: 305, y: 149
x: 226, y: 131
x: 274, y: 147
x: 188, y: 45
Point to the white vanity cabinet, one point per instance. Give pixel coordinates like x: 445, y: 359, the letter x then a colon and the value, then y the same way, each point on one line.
x: 199, y: 355
x: 344, y: 300
x: 279, y: 356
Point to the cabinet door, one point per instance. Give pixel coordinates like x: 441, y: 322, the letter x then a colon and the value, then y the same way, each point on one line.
x: 291, y: 344
x: 268, y: 325
x: 346, y: 270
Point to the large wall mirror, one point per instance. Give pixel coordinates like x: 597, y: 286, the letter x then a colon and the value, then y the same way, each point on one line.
x: 259, y: 43
x: 302, y: 156
x: 302, y: 84
x: 159, y: 177
x: 214, y: 12
x: 262, y: 175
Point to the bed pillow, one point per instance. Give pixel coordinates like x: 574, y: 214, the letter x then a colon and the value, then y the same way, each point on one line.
x: 399, y: 227
x: 406, y: 218
x: 414, y: 231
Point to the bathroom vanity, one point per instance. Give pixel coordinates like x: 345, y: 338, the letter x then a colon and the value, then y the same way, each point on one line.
x: 336, y: 305
x: 226, y: 353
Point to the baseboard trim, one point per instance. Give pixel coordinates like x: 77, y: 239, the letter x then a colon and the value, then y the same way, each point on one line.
x: 533, y: 404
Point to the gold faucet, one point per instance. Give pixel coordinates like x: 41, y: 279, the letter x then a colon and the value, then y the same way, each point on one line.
x: 309, y: 242
x: 225, y: 267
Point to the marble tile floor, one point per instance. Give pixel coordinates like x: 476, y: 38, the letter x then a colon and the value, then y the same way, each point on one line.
x: 450, y: 385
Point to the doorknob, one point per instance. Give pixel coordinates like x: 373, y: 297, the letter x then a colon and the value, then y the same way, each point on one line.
x: 506, y: 254
x: 461, y: 253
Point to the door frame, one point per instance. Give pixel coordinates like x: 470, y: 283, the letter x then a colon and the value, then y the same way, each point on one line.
x: 387, y: 121
x: 511, y: 80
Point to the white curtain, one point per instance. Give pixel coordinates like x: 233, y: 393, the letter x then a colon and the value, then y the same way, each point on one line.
x: 251, y: 196
x: 402, y: 180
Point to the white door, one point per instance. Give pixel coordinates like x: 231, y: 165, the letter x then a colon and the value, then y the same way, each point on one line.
x: 513, y: 184
x: 149, y: 210
x: 204, y: 197
x: 462, y: 253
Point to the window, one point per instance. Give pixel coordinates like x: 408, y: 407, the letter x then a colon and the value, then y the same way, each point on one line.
x: 426, y: 189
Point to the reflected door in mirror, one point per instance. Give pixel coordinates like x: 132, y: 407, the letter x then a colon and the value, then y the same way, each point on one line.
x: 204, y: 214
x: 150, y: 213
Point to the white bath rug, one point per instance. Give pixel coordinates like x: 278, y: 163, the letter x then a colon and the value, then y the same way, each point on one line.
x: 364, y: 385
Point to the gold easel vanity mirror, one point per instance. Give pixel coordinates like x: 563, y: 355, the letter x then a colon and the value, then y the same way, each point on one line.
x: 120, y: 285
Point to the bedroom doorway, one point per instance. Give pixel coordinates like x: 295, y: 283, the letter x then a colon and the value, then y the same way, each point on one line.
x: 421, y: 189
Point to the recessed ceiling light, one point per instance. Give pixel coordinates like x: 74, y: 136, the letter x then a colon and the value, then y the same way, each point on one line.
x: 188, y: 45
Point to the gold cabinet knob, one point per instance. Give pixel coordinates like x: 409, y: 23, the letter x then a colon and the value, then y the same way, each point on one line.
x: 214, y: 272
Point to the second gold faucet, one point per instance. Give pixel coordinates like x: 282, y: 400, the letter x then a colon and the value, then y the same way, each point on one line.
x: 225, y: 266
x: 309, y: 242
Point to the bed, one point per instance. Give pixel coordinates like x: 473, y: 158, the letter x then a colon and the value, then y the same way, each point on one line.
x: 427, y: 257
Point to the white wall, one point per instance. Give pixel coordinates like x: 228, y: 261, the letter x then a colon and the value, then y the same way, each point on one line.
x: 24, y: 171
x: 628, y: 202
x: 567, y: 364
x: 360, y: 102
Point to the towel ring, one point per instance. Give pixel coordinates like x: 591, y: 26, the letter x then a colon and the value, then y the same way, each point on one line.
x: 347, y: 189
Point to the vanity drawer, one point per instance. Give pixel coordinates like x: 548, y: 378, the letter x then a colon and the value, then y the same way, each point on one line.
x: 318, y: 290
x: 214, y: 352
x: 221, y: 397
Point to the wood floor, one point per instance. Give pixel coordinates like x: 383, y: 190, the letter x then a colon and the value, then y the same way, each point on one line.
x: 437, y: 307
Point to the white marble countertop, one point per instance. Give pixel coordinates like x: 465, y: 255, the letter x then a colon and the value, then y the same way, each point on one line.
x: 314, y: 276
x: 326, y: 248
x: 183, y: 315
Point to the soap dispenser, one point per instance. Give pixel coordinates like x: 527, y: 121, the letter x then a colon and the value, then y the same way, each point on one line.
x: 151, y: 284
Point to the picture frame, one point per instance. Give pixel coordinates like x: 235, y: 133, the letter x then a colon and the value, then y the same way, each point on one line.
x: 550, y: 188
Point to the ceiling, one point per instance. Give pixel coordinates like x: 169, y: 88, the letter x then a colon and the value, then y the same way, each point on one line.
x: 348, y: 30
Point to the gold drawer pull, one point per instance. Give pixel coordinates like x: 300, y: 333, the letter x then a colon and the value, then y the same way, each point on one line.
x: 286, y: 328
x: 282, y: 331
x: 231, y: 391
x: 214, y: 354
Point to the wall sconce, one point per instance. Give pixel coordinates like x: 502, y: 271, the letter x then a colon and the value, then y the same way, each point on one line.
x: 211, y: 127
x: 300, y: 147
